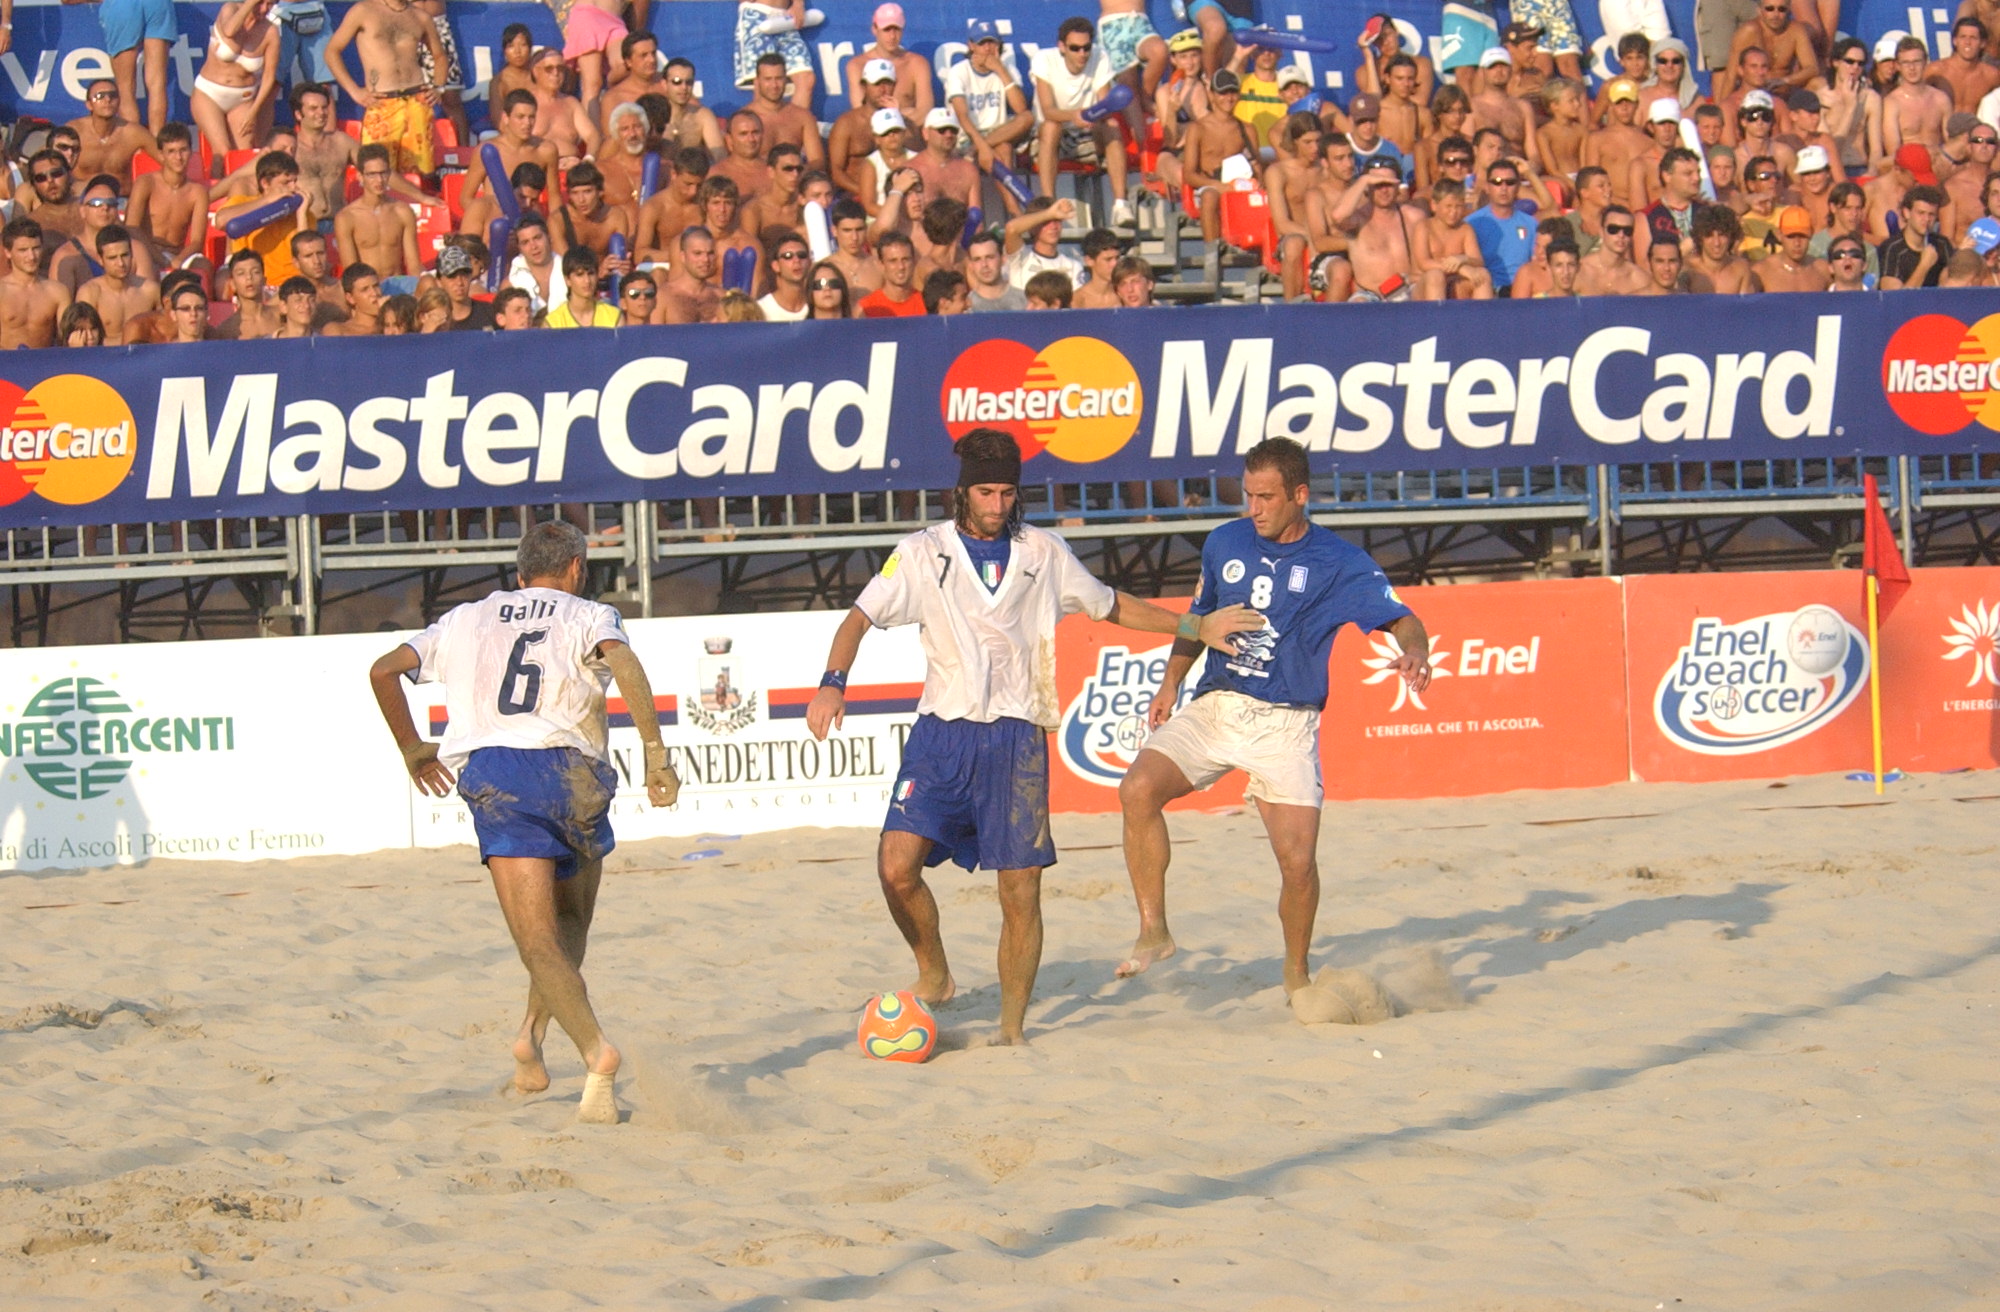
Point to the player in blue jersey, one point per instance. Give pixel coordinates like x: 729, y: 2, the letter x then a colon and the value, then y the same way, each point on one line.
x: 1258, y: 711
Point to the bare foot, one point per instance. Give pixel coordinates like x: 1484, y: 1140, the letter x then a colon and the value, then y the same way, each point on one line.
x: 1007, y: 1038
x: 599, y: 1105
x: 1148, y: 951
x: 935, y: 993
x: 1296, y: 978
x: 530, y: 1075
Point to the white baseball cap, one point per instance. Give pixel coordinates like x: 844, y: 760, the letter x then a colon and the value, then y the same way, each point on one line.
x: 1812, y: 159
x: 1292, y: 73
x: 888, y: 119
x: 1759, y: 100
x: 1664, y: 110
x: 1885, y: 45
x: 1496, y: 55
x: 878, y: 70
x: 941, y: 117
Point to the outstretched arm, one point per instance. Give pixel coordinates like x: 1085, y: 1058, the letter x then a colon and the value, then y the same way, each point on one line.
x: 1415, y: 662
x: 663, y: 786
x: 420, y: 757
x: 829, y: 704
x: 1214, y: 629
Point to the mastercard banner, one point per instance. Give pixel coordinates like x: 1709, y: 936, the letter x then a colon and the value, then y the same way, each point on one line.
x: 333, y: 425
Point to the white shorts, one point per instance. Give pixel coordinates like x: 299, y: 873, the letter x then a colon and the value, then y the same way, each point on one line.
x: 1277, y: 746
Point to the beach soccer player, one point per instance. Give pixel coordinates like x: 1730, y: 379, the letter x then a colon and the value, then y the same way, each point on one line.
x: 524, y: 674
x: 1257, y: 709
x: 987, y: 591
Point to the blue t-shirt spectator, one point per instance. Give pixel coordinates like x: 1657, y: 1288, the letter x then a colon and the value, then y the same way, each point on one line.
x: 1505, y: 243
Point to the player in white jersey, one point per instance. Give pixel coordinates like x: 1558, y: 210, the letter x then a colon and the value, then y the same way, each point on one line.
x: 1259, y: 711
x: 987, y: 591
x: 524, y: 675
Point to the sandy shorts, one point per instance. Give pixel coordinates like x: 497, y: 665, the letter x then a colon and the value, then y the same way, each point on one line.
x: 1122, y: 35
x: 752, y: 45
x: 1277, y: 746
x: 553, y: 803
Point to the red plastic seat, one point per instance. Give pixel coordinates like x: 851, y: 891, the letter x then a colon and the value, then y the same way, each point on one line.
x: 454, y: 196
x: 236, y: 159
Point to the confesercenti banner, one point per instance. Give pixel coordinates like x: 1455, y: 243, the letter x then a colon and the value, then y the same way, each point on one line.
x: 111, y: 755
x: 332, y: 426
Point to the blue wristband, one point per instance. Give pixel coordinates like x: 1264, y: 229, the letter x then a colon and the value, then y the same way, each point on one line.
x: 836, y: 679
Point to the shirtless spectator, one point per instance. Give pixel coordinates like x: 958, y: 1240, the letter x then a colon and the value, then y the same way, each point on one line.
x: 676, y: 205
x: 297, y: 302
x: 376, y: 228
x: 1532, y: 66
x: 1710, y: 129
x: 587, y: 219
x: 1614, y: 146
x: 638, y: 303
x: 1381, y: 41
x: 1564, y: 264
x: 1793, y: 269
x: 640, y: 53
x: 1133, y: 280
x: 692, y: 125
x: 1965, y: 74
x: 852, y: 137
x: 1068, y: 80
x: 74, y: 263
x: 850, y: 248
x: 692, y: 294
x: 722, y: 215
x: 364, y: 302
x: 1965, y: 189
x: 945, y: 172
x: 622, y: 157
x: 187, y: 318
x: 1815, y: 174
x: 1215, y: 138
x: 516, y: 143
x: 1911, y: 167
x: 169, y: 210
x: 1754, y: 79
x: 1403, y: 120
x: 1643, y: 178
x: 1332, y: 276
x: 1494, y: 106
x: 785, y: 124
x: 992, y: 111
x: 913, y: 94
x: 1445, y: 252
x: 1102, y: 250
x: 256, y: 315
x: 888, y: 176
x: 1916, y: 255
x: 1533, y: 280
x: 1444, y: 158
x: 530, y: 183
x: 1846, y: 267
x: 1851, y: 109
x: 1787, y: 45
x: 1716, y: 267
x: 118, y: 294
x: 1560, y: 140
x: 1586, y: 220
x: 1806, y: 130
x: 1287, y: 183
x: 1051, y: 290
x: 107, y: 141
x: 313, y: 260
x: 1634, y: 53
x: 323, y: 152
x: 30, y: 304
x: 744, y: 165
x: 560, y: 118
x: 56, y: 205
x: 1663, y: 271
x: 1915, y: 111
x: 1379, y: 234
x: 1756, y: 135
x: 1609, y: 270
x: 396, y: 99
x: 782, y: 206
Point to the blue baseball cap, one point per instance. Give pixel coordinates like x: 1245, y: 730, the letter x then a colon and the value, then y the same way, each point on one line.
x: 1984, y: 235
x: 981, y: 29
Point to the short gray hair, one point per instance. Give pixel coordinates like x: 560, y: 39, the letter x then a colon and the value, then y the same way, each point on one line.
x: 547, y: 549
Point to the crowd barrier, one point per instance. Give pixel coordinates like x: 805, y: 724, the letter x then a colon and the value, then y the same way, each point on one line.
x: 329, y: 427
x: 120, y: 754
x: 58, y: 48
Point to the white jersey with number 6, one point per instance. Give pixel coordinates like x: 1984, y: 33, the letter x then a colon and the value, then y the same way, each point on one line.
x: 520, y: 669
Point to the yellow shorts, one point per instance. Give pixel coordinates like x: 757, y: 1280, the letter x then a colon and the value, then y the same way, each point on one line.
x: 403, y: 124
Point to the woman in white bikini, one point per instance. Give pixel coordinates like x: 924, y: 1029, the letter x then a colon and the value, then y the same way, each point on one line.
x: 232, y: 99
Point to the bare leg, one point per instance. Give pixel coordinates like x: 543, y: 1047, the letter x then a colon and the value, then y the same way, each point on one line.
x: 156, y: 85
x: 576, y: 903
x: 899, y: 861
x: 590, y: 80
x: 1048, y: 147
x: 214, y: 125
x: 526, y: 887
x: 1294, y: 833
x: 1020, y: 948
x: 1152, y: 782
x: 125, y: 72
x: 802, y: 89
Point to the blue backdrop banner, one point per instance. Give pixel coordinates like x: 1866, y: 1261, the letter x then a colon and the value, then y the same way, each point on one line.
x: 331, y: 425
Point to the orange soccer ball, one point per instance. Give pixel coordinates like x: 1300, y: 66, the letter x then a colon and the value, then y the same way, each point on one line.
x: 897, y: 1027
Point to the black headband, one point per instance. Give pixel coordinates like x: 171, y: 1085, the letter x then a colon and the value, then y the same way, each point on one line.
x: 989, y: 469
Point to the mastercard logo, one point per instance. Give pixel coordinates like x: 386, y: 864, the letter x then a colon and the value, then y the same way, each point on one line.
x: 1940, y: 375
x: 69, y: 439
x: 1078, y: 398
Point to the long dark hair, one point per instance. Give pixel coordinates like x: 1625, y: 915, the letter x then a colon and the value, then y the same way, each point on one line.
x: 988, y: 444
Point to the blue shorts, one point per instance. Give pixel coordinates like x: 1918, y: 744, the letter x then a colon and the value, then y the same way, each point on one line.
x: 979, y: 792
x: 128, y: 23
x: 549, y: 802
x: 1469, y: 32
x: 1236, y: 23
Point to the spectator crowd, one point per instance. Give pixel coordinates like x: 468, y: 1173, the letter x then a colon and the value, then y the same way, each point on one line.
x: 605, y: 191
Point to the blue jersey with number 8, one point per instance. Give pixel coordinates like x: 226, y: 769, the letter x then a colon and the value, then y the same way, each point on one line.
x: 1306, y: 590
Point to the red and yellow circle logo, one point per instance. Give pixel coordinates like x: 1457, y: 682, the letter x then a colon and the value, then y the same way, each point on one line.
x: 1079, y: 398
x: 1940, y: 375
x: 69, y: 438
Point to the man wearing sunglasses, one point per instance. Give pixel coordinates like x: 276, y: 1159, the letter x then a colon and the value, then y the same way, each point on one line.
x: 1753, y: 79
x: 1068, y: 80
x: 1609, y: 270
x: 1965, y: 187
x: 914, y: 94
x: 945, y: 172
x: 1788, y: 46
x: 55, y: 200
x: 1914, y: 110
x: 1847, y: 266
x: 108, y: 141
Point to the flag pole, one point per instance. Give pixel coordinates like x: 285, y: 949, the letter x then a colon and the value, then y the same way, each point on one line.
x: 1875, y: 678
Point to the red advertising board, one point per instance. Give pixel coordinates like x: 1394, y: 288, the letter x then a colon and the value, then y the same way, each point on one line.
x: 1528, y: 692
x: 1941, y: 672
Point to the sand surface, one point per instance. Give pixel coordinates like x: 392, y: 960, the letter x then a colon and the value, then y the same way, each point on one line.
x: 1724, y: 1047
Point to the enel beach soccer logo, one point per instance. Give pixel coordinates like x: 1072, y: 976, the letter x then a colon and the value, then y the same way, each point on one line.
x: 1078, y: 398
x: 1756, y: 684
x: 1940, y: 375
x: 68, y: 439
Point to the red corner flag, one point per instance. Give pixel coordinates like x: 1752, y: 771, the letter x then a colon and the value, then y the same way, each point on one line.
x: 1881, y: 558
